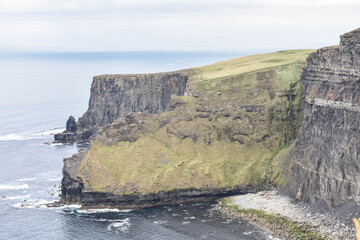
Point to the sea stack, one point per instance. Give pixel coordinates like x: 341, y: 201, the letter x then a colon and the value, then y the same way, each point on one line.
x: 69, y: 135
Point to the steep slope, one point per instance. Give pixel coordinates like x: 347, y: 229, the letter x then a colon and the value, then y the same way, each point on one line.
x: 326, y: 154
x: 220, y: 138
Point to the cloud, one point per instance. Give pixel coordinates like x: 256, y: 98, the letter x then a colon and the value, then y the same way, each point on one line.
x: 95, y: 6
x: 94, y: 25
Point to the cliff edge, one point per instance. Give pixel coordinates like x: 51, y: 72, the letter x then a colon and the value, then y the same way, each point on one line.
x: 116, y: 95
x: 326, y: 153
x: 189, y: 135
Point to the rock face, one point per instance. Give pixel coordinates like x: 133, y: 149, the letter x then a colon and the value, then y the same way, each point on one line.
x: 70, y: 134
x: 71, y: 124
x: 71, y: 185
x: 327, y: 150
x: 114, y: 96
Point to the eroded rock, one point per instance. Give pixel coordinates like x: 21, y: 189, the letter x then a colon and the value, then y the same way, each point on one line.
x: 327, y: 149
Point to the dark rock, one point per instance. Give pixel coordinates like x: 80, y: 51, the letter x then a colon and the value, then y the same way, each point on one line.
x: 71, y: 185
x: 65, y: 137
x: 128, y: 128
x: 114, y: 96
x: 263, y: 138
x: 251, y: 108
x: 71, y: 135
x: 135, y: 201
x: 71, y: 125
x: 326, y: 157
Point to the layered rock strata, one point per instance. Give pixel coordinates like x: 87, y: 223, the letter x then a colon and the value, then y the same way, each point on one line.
x: 327, y: 150
x: 114, y: 96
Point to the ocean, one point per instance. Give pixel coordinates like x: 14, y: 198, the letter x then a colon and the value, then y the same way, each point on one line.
x: 38, y: 92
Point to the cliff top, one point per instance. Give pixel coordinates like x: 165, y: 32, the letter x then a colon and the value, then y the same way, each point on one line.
x: 118, y: 76
x: 350, y: 38
x: 205, y: 77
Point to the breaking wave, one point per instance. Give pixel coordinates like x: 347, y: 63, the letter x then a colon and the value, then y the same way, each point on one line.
x: 13, y: 187
x: 28, y: 136
x: 120, y: 226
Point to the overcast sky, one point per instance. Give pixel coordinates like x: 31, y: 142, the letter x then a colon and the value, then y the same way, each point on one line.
x: 173, y: 25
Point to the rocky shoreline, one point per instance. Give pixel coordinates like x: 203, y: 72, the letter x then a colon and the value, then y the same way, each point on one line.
x: 287, y: 219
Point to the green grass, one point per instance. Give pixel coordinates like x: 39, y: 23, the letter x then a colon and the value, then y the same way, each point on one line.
x: 208, y: 142
x: 138, y: 164
x: 207, y: 77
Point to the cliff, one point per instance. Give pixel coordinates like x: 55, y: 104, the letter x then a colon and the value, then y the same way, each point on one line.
x: 326, y: 153
x: 188, y: 135
x: 114, y: 96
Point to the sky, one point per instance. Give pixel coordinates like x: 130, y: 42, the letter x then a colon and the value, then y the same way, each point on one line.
x: 173, y: 25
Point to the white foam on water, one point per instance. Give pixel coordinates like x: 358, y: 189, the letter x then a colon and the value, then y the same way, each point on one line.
x: 69, y: 207
x: 27, y: 179
x: 102, y: 210
x: 17, y: 197
x: 13, y: 136
x: 29, y: 135
x: 120, y: 226
x: 55, y: 179
x: 126, y: 210
x: 50, y: 132
x: 160, y: 222
x: 13, y: 187
x: 103, y: 220
x: 56, y: 144
x: 33, y: 203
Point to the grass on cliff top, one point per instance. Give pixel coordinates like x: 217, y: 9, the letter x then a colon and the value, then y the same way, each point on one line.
x: 205, y: 78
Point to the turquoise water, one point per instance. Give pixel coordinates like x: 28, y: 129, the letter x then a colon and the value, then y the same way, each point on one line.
x: 38, y: 92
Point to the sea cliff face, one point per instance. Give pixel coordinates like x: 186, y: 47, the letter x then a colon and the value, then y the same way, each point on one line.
x: 114, y: 96
x: 187, y: 135
x: 326, y: 156
x: 232, y: 132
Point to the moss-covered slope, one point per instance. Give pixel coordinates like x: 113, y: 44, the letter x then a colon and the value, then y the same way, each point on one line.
x: 236, y: 117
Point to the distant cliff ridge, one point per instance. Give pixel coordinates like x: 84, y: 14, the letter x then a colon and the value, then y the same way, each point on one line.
x: 327, y: 149
x: 114, y: 96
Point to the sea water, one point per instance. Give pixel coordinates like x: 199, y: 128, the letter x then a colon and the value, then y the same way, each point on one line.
x: 38, y: 92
